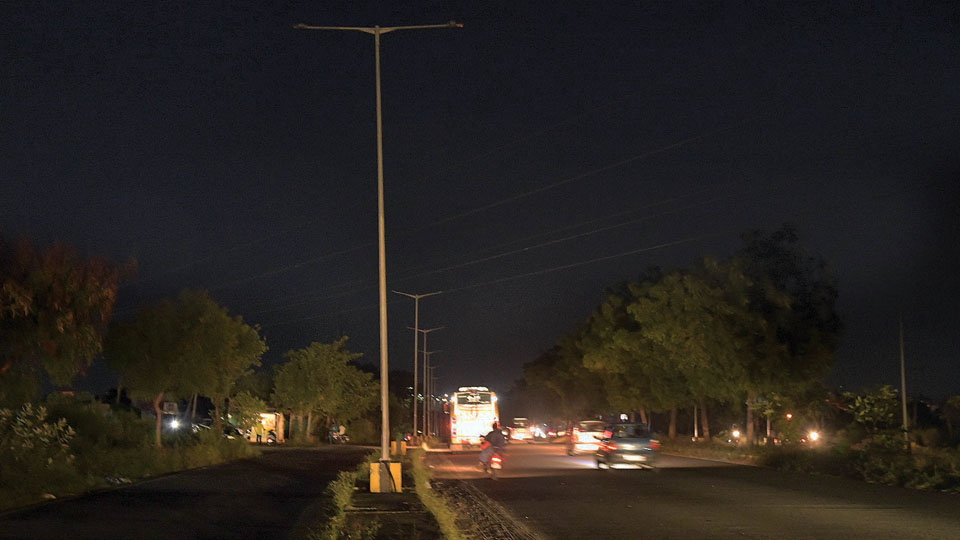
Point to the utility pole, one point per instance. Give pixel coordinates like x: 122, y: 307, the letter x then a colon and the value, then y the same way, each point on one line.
x: 377, y: 31
x: 903, y: 387
x: 416, y: 340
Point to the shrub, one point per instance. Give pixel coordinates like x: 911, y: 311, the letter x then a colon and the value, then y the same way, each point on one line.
x: 35, y: 455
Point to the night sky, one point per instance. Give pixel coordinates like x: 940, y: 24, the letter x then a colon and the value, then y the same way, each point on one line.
x: 532, y: 158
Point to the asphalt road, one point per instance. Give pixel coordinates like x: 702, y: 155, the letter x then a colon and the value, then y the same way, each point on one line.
x: 274, y: 496
x: 557, y: 496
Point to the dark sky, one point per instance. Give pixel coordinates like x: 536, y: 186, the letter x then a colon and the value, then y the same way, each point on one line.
x: 532, y: 158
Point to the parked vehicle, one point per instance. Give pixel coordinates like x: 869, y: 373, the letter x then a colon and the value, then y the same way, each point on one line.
x: 627, y: 444
x: 585, y: 437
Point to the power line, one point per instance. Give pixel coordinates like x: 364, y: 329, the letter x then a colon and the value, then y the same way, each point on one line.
x: 518, y: 276
x: 583, y: 175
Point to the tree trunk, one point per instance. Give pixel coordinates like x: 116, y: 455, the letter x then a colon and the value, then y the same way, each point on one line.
x: 217, y: 417
x: 750, y: 431
x: 119, y: 391
x: 310, y: 426
x: 704, y: 420
x: 643, y: 416
x: 290, y: 427
x: 158, y: 410
x: 193, y: 413
x: 672, y: 432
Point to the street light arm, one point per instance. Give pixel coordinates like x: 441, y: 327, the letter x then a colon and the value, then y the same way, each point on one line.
x: 417, y: 296
x: 301, y: 26
x: 378, y: 30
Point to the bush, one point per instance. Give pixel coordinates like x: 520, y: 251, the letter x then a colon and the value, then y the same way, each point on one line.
x: 79, y: 444
x: 35, y: 455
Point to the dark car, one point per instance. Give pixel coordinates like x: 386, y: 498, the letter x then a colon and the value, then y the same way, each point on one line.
x: 627, y: 444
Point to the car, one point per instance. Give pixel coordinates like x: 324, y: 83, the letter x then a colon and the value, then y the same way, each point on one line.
x: 627, y: 444
x: 585, y: 437
x: 520, y: 431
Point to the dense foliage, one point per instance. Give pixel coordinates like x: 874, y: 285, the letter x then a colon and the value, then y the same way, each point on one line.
x: 54, y: 311
x: 758, y: 326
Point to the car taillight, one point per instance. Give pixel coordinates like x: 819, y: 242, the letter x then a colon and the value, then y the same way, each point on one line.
x: 654, y: 444
x: 609, y: 446
x: 576, y: 434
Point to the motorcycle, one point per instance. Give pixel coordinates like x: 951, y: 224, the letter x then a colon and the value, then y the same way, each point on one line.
x: 491, y: 459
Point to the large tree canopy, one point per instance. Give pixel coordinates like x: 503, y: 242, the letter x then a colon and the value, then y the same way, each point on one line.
x: 760, y: 323
x: 54, y: 310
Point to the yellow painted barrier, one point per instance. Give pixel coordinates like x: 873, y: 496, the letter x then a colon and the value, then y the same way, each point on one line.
x: 381, y: 482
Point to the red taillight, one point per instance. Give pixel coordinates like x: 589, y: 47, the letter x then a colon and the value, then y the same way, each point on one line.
x: 576, y: 435
x: 609, y: 446
x: 654, y: 444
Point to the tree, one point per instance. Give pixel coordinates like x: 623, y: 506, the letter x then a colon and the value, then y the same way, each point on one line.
x: 689, y: 322
x: 322, y: 379
x: 55, y: 308
x: 795, y: 295
x: 246, y: 410
x: 177, y: 348
x: 224, y: 348
x: 876, y: 410
x: 150, y: 354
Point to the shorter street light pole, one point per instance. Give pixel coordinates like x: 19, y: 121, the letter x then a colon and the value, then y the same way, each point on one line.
x: 425, y: 357
x: 428, y: 395
x: 433, y: 386
x: 416, y: 340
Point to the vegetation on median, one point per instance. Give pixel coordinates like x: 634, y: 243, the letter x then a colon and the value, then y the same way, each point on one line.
x: 433, y: 501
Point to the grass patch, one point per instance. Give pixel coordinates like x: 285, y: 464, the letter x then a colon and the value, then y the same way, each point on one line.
x: 711, y: 450
x: 341, y: 491
x: 433, y: 501
x: 877, y: 462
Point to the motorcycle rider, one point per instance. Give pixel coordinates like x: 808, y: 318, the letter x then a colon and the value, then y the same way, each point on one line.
x: 493, y: 442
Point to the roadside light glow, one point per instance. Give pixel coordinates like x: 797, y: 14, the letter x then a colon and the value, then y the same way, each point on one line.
x: 175, y: 424
x: 736, y: 433
x: 789, y: 416
x: 814, y: 435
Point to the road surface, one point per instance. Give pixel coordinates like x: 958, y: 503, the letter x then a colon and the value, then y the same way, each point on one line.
x: 556, y: 496
x: 274, y: 496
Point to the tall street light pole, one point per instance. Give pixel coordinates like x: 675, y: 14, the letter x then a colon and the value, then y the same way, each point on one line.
x: 416, y: 341
x: 377, y: 31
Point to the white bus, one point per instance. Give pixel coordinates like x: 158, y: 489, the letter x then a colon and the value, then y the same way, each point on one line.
x: 473, y: 410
